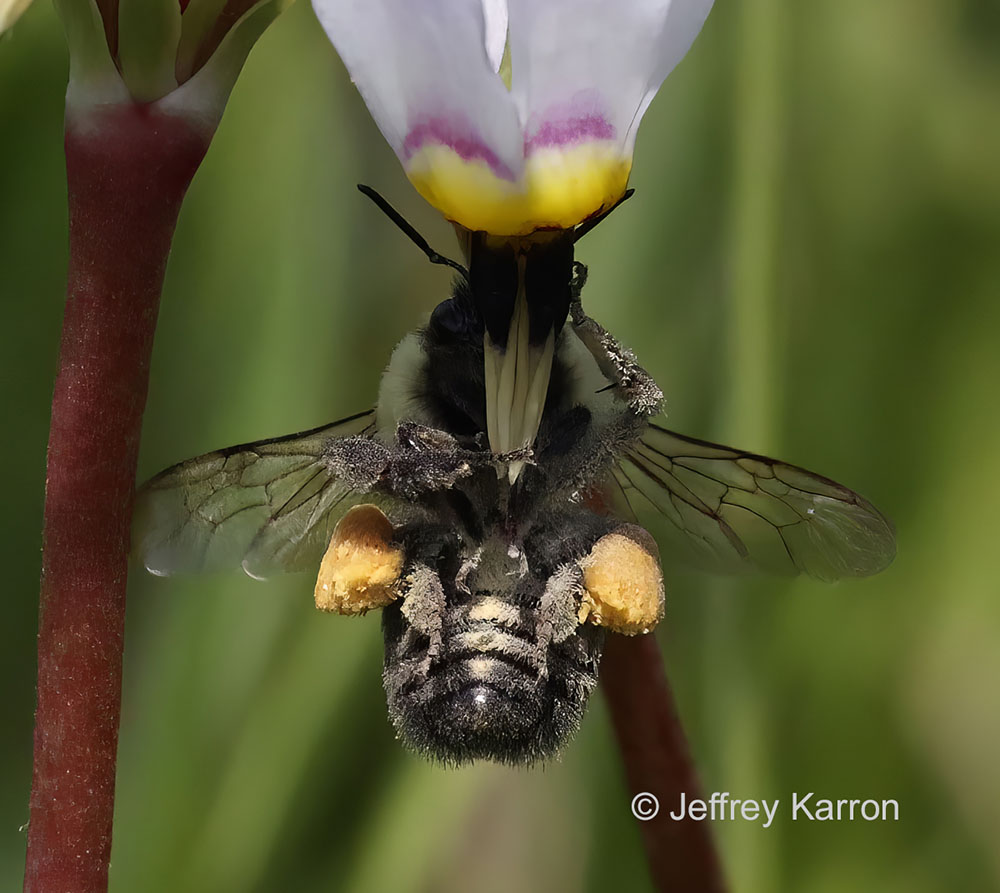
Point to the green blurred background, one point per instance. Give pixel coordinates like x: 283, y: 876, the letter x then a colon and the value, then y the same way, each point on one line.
x: 810, y: 267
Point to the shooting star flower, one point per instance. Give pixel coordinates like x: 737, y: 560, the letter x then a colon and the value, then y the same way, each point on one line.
x: 516, y: 119
x: 515, y: 116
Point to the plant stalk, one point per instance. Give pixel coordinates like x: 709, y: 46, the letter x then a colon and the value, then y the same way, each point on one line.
x: 128, y: 168
x: 657, y: 759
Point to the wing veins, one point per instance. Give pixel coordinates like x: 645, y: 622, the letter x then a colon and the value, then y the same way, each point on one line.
x: 724, y: 527
x: 280, y: 511
x: 267, y: 501
x: 727, y: 530
x: 694, y: 500
x: 838, y: 532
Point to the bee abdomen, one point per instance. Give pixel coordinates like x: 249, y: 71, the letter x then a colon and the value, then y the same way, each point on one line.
x: 493, y: 685
x: 489, y: 642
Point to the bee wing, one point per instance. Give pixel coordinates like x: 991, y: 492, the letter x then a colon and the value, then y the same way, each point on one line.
x: 731, y: 510
x: 269, y: 506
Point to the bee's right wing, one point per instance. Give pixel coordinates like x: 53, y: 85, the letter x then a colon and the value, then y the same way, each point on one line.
x: 268, y: 506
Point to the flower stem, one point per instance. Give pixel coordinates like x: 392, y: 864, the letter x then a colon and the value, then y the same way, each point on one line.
x: 128, y: 168
x: 657, y: 760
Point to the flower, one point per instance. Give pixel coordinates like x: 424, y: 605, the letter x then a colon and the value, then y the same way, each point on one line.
x: 517, y: 120
x: 10, y: 12
x: 182, y: 56
x: 511, y: 116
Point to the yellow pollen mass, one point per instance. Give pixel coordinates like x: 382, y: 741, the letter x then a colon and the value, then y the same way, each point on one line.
x: 560, y: 187
x: 623, y: 586
x: 361, y: 566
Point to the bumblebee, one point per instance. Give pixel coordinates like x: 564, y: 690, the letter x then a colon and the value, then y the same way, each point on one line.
x: 489, y: 507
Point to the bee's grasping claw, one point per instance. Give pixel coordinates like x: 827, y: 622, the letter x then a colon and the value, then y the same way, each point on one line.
x: 577, y: 282
x: 362, y: 565
x: 623, y: 583
x: 524, y: 455
x: 617, y: 363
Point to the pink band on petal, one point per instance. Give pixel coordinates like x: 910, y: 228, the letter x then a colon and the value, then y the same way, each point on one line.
x: 580, y: 119
x: 460, y: 139
x: 554, y: 134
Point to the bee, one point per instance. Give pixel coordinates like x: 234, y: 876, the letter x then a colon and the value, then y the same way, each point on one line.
x: 489, y: 507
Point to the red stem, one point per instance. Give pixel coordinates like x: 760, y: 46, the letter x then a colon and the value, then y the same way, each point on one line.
x: 657, y: 760
x: 128, y: 168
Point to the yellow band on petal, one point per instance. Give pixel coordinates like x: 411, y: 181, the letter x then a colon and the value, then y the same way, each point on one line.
x: 560, y: 187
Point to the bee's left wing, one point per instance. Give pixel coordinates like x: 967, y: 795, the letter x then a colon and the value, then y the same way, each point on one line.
x: 731, y: 510
x: 268, y: 506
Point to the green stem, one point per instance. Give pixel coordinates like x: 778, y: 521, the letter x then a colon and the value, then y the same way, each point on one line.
x: 736, y: 714
x: 759, y: 135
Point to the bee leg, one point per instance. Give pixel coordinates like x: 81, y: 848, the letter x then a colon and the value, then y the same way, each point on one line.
x: 424, y: 439
x: 424, y: 608
x: 468, y: 566
x: 617, y: 363
x: 428, y: 460
x: 556, y: 614
x: 623, y: 582
x: 422, y: 460
x: 577, y: 281
x: 358, y: 462
x: 414, y: 472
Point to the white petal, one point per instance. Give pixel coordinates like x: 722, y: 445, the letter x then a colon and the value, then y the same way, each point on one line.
x: 585, y: 70
x: 424, y: 72
x: 10, y: 11
x: 495, y: 13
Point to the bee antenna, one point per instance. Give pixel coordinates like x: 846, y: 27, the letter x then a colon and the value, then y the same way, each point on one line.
x: 410, y: 232
x: 588, y: 225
